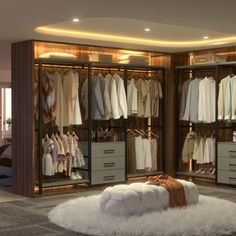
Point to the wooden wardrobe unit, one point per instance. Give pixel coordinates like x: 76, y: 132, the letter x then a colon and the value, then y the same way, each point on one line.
x: 24, y: 138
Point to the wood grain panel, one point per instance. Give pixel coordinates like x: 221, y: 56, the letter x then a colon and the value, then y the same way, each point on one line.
x: 22, y: 116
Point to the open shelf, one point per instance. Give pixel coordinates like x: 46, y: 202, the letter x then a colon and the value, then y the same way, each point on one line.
x: 64, y: 182
x: 197, y: 175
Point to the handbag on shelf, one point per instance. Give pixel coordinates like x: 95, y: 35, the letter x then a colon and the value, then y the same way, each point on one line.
x: 104, y: 135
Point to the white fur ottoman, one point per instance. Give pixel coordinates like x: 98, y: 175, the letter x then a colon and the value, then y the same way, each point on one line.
x: 138, y: 198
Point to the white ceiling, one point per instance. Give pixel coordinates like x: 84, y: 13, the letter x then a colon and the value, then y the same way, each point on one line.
x: 170, y: 20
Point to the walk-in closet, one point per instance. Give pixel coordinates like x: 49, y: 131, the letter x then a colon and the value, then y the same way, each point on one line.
x: 205, y: 121
x: 92, y: 122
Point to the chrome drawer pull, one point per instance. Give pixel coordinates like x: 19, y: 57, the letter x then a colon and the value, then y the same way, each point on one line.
x: 232, y: 154
x: 109, y: 164
x: 108, y: 151
x: 111, y: 177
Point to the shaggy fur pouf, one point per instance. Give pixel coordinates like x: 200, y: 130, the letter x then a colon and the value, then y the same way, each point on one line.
x: 211, y: 216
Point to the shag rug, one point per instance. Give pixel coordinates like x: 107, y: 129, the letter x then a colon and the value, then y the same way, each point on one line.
x: 211, y: 216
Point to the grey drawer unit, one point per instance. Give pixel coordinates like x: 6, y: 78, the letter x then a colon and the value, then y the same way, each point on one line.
x: 107, y: 161
x: 226, y: 166
x: 227, y: 177
x: 227, y: 149
x: 109, y: 176
x: 104, y: 149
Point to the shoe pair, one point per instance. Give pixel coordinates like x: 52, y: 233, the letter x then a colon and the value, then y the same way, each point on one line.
x: 75, y: 175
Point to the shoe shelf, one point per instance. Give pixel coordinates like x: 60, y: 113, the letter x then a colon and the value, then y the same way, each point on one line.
x: 197, y: 175
x: 63, y: 182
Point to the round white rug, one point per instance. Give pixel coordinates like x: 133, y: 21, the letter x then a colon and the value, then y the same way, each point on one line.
x: 211, y: 216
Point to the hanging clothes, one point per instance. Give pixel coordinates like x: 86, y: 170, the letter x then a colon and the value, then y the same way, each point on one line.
x: 59, y: 100
x: 222, y: 97
x: 139, y: 153
x: 68, y: 159
x: 184, y: 95
x: 132, y: 97
x: 71, y: 107
x: 61, y: 156
x: 142, y: 93
x: 76, y: 113
x: 198, y: 152
x: 191, y: 108
x: 206, y: 104
x: 121, y: 95
x: 147, y: 154
x: 55, y: 153
x: 147, y: 101
x: 113, y: 97
x: 154, y: 153
x: 187, y: 151
x: 78, y: 161
x: 104, y: 84
x: 233, y: 117
x: 155, y: 91
x: 48, y: 99
x: 228, y: 98
x: 209, y: 151
x: 84, y: 98
x: 47, y: 160
x: 131, y: 153
x: 97, y: 109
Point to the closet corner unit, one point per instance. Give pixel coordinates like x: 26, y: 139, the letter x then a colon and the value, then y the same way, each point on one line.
x: 204, y: 129
x: 65, y: 134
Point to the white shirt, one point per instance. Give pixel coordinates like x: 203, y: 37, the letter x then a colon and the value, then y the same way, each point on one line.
x: 206, y: 102
x: 132, y: 97
x: 121, y: 95
x: 221, y: 97
x: 228, y: 98
x: 113, y: 98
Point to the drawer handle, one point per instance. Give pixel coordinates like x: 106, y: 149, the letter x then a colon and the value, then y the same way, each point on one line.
x: 111, y: 177
x: 232, y: 167
x: 232, y: 178
x: 232, y: 154
x: 111, y: 164
x: 109, y: 151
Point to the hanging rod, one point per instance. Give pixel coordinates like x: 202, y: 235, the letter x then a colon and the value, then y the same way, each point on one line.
x: 60, y: 66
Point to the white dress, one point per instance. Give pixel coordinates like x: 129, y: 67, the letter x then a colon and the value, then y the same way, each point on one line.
x: 59, y: 100
x: 47, y: 161
x: 76, y: 119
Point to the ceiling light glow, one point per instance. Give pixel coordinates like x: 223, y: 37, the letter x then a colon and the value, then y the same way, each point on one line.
x: 127, y: 39
x: 205, y: 37
x: 75, y: 20
x: 147, y: 29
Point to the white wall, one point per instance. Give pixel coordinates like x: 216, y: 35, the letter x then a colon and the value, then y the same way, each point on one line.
x: 5, y: 62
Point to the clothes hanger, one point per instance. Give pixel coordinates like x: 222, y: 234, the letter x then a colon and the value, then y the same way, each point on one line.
x: 131, y: 131
x: 212, y: 135
x: 155, y: 135
x: 46, y: 136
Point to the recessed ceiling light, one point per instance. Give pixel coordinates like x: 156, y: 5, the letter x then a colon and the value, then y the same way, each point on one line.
x: 205, y: 37
x: 75, y: 20
x: 147, y: 29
